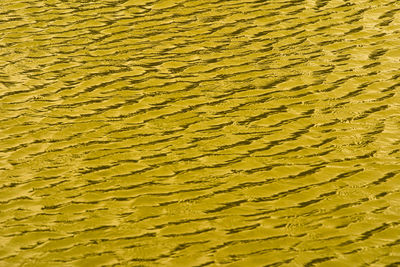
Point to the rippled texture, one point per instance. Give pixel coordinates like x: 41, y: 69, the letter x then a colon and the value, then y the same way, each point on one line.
x: 199, y: 133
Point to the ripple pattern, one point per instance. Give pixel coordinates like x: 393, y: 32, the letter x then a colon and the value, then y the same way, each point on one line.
x: 199, y: 133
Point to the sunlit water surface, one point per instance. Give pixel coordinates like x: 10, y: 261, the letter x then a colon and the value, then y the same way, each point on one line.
x: 199, y: 133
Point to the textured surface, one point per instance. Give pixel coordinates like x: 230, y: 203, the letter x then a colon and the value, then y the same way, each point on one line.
x: 196, y: 133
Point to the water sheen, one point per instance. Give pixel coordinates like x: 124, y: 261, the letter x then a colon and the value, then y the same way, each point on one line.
x: 199, y: 133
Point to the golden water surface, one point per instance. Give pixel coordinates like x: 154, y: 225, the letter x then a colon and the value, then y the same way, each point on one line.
x: 199, y: 133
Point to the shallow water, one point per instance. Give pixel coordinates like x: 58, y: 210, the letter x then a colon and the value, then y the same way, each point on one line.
x: 199, y: 133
